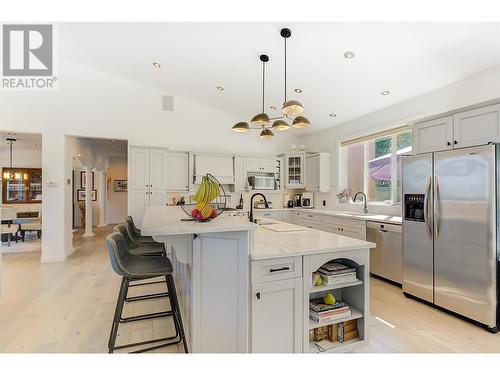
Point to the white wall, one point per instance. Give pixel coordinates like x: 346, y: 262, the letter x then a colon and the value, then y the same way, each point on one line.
x: 21, y: 158
x: 476, y: 89
x: 116, y: 205
x: 91, y: 103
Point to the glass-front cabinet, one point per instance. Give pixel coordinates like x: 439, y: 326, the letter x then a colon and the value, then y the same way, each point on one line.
x: 295, y: 169
x: 26, y: 187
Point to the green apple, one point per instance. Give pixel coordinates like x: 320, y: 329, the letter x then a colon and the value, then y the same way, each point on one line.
x: 329, y: 299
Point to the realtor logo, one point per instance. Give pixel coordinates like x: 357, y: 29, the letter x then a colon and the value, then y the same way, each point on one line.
x: 28, y: 56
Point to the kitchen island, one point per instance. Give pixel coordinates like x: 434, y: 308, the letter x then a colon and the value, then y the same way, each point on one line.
x: 246, y: 288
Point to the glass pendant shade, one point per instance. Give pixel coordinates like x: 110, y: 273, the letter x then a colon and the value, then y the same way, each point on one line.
x: 260, y: 119
x: 281, y: 125
x: 241, y: 127
x: 301, y: 122
x: 266, y: 134
x: 6, y: 175
x: 293, y: 108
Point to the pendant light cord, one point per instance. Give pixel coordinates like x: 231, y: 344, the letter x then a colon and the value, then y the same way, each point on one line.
x: 285, y: 70
x: 263, y: 84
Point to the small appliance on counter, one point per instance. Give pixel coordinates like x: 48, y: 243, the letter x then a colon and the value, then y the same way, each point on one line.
x: 240, y: 205
x: 297, y: 200
x: 289, y: 204
x: 307, y: 200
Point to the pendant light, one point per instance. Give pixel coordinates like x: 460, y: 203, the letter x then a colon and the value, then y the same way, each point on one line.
x: 290, y: 110
x: 10, y: 174
x: 291, y: 107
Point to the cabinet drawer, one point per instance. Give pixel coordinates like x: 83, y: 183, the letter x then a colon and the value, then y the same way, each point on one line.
x: 269, y: 214
x: 353, y: 223
x: 310, y: 216
x: 276, y: 269
x: 346, y: 231
x: 313, y: 224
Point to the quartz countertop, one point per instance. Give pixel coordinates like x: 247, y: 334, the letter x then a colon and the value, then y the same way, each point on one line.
x: 384, y: 218
x: 166, y: 221
x: 269, y: 244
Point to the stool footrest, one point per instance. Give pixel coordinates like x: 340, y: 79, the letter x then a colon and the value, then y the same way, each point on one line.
x: 146, y: 296
x: 135, y: 318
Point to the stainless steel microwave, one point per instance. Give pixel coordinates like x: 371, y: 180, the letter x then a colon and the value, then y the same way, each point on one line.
x: 261, y: 182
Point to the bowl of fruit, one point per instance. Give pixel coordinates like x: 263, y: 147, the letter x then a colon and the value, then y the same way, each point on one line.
x: 209, y: 202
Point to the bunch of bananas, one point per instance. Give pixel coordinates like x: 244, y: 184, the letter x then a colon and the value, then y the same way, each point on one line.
x: 206, y: 193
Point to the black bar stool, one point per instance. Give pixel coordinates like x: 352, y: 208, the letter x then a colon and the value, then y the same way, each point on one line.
x: 146, y: 249
x: 134, y: 267
x: 135, y: 232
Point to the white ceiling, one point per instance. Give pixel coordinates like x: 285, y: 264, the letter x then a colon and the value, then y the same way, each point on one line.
x: 406, y: 58
x: 24, y: 141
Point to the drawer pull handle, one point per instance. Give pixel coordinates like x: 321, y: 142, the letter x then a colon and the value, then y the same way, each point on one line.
x: 383, y: 230
x: 279, y: 269
x: 258, y: 295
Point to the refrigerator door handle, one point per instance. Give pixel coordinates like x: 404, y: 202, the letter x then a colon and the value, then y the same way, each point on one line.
x: 426, y: 208
x: 437, y: 213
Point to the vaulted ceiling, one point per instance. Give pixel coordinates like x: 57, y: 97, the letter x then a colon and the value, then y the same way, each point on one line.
x: 406, y: 59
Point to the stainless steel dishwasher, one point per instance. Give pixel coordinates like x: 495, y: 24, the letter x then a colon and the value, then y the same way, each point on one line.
x: 386, y: 260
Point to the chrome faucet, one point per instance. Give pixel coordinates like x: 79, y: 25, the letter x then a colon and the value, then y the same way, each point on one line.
x: 250, y: 217
x: 365, y: 208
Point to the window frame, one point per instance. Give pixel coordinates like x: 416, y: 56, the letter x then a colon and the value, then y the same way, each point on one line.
x: 393, y: 133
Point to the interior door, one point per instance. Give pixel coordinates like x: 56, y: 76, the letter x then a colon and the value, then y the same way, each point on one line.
x: 465, y: 235
x: 418, y: 247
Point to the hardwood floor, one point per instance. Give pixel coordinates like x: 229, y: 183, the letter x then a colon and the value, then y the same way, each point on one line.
x: 68, y: 307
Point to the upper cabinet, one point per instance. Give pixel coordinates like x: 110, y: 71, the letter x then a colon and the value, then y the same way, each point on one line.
x: 295, y: 170
x: 261, y: 165
x: 433, y: 135
x: 477, y: 126
x: 469, y: 128
x: 178, y: 171
x: 318, y: 172
x: 158, y: 168
x: 138, y: 168
x: 219, y: 165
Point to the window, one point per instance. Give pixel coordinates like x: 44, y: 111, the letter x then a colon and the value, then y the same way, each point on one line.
x: 372, y: 164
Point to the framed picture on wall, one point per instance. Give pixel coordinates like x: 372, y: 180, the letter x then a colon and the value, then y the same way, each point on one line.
x: 121, y: 185
x: 81, y: 195
x: 83, y: 180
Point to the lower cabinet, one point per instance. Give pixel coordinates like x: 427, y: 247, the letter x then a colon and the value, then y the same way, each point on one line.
x: 277, y: 323
x: 139, y: 200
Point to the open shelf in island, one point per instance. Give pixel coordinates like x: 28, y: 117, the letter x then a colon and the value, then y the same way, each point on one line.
x: 355, y: 314
x: 324, y: 288
x: 337, y: 346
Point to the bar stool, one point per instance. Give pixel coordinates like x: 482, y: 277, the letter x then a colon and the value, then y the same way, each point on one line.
x: 135, y: 232
x: 146, y: 249
x: 134, y: 267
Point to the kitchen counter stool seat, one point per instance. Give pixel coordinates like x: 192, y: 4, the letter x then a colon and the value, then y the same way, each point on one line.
x: 135, y: 267
x: 135, y: 232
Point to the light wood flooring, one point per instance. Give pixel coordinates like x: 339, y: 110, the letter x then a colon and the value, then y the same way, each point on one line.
x: 68, y: 307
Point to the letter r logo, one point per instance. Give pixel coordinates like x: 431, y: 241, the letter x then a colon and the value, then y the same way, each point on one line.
x: 27, y: 50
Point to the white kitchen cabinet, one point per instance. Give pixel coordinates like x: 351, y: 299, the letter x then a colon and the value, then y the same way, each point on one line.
x: 289, y: 217
x: 295, y: 170
x: 158, y: 168
x: 433, y: 135
x: 178, y: 171
x: 241, y: 181
x: 277, y: 316
x: 318, y: 172
x: 138, y: 200
x: 476, y: 127
x: 255, y: 165
x: 148, y: 179
x: 346, y: 227
x: 218, y: 165
x: 138, y: 168
x: 276, y: 215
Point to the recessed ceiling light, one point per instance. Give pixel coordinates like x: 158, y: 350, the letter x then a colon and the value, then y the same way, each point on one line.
x: 332, y: 115
x: 385, y: 92
x: 220, y: 88
x: 298, y: 91
x: 349, y: 55
x: 156, y: 64
x: 272, y: 107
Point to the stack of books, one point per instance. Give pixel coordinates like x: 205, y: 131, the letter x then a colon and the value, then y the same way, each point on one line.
x: 337, y: 273
x: 321, y: 313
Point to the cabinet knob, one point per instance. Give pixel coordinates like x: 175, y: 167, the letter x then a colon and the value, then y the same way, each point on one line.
x: 258, y: 295
x: 448, y: 143
x: 455, y: 142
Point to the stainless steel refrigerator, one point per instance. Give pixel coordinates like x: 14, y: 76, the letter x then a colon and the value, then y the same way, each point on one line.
x: 450, y: 255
